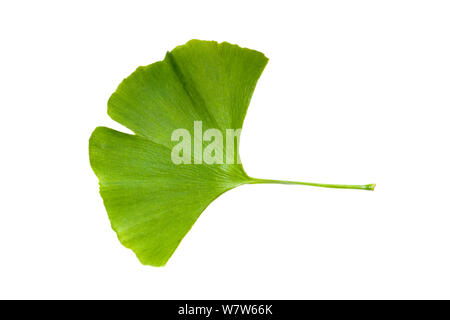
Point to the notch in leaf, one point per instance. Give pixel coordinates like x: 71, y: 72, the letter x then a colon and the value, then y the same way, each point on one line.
x: 151, y: 201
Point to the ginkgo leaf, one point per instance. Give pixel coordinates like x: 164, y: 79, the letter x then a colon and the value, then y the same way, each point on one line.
x: 152, y: 201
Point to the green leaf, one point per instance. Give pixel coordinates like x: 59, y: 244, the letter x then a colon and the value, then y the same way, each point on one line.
x: 151, y: 201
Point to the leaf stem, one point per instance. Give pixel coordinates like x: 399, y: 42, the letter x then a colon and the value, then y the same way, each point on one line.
x: 369, y: 187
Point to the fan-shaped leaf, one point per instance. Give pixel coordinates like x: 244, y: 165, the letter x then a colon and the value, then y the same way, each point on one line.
x: 151, y: 201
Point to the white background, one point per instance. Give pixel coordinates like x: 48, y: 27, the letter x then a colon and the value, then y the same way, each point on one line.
x: 354, y: 92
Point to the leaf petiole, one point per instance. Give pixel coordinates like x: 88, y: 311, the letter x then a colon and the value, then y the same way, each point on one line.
x: 369, y: 187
